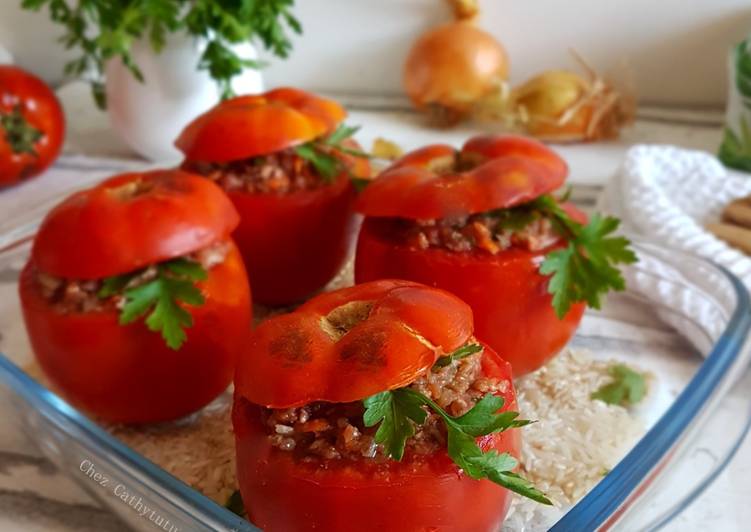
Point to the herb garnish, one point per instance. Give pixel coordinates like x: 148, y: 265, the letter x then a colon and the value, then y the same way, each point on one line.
x: 585, y: 269
x: 235, y: 503
x: 318, y: 152
x: 398, y: 410
x: 627, y: 388
x: 173, y: 283
x: 101, y: 31
x: 462, y: 352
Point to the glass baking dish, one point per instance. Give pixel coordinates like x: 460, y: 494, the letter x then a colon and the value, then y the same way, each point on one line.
x: 706, y: 386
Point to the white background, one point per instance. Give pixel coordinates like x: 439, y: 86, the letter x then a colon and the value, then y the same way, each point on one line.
x: 676, y: 49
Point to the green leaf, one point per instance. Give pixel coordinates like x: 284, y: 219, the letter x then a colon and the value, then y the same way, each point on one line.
x: 114, y: 285
x: 342, y: 132
x: 100, y: 31
x: 326, y: 165
x: 235, y: 503
x: 497, y: 468
x: 735, y: 151
x: 462, y: 352
x: 360, y: 183
x: 187, y: 268
x: 484, y: 418
x: 396, y: 412
x: 586, y: 268
x: 396, y: 422
x: 139, y: 300
x: 627, y: 388
x: 160, y: 298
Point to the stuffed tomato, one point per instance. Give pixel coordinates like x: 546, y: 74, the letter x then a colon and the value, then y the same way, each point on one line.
x: 135, y: 298
x: 482, y: 222
x: 286, y: 161
x: 374, y: 408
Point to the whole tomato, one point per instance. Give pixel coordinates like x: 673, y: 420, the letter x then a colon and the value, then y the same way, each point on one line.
x: 32, y: 125
x: 294, y: 359
x: 509, y: 296
x: 123, y: 370
x: 293, y: 241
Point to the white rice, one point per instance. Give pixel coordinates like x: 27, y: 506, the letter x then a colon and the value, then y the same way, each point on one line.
x: 576, y: 440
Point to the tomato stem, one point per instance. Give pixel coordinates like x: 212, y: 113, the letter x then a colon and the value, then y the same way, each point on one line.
x: 20, y: 135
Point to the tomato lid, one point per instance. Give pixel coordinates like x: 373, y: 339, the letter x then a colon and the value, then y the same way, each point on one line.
x: 130, y: 221
x: 489, y: 172
x: 247, y: 126
x: 349, y: 344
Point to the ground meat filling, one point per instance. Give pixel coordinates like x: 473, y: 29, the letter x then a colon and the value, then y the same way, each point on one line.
x: 71, y: 295
x: 336, y: 431
x: 477, y: 232
x: 282, y: 172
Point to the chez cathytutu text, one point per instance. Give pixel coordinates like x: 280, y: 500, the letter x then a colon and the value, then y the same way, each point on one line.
x: 134, y: 501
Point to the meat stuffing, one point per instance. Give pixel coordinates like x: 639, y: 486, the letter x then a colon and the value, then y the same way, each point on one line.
x: 278, y: 173
x: 478, y: 232
x: 71, y: 295
x: 336, y: 431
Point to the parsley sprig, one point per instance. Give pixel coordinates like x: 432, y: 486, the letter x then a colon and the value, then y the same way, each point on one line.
x: 160, y: 297
x: 396, y: 413
x: 101, y: 31
x: 627, y: 387
x: 320, y: 153
x: 587, y: 268
x: 462, y: 352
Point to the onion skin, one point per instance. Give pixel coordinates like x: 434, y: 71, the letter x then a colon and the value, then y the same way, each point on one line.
x: 562, y: 106
x: 453, y: 66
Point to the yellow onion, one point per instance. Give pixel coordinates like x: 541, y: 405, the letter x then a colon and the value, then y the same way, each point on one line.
x: 453, y: 66
x: 562, y: 106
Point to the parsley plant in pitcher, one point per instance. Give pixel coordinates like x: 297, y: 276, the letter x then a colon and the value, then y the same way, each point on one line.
x: 156, y: 64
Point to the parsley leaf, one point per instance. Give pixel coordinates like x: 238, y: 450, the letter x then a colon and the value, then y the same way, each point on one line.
x: 395, y: 411
x: 160, y: 297
x: 235, y: 503
x: 101, y: 31
x: 326, y: 165
x: 627, y: 388
x: 462, y: 352
x: 342, y: 132
x: 586, y: 268
x: 319, y: 153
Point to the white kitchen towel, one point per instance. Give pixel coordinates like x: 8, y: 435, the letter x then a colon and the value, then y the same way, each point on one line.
x: 666, y: 195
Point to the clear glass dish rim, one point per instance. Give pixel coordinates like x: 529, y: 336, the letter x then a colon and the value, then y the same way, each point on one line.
x: 605, y: 502
x: 594, y: 510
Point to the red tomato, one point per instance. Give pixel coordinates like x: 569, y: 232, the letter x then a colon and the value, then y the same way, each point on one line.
x: 296, y: 243
x: 130, y: 221
x: 32, y: 125
x: 509, y: 298
x: 304, y: 356
x: 431, y: 182
x: 282, y: 493
x: 293, y: 244
x: 247, y: 126
x: 126, y: 373
x: 512, y: 307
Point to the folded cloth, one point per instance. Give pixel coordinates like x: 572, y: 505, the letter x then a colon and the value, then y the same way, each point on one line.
x: 667, y: 195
